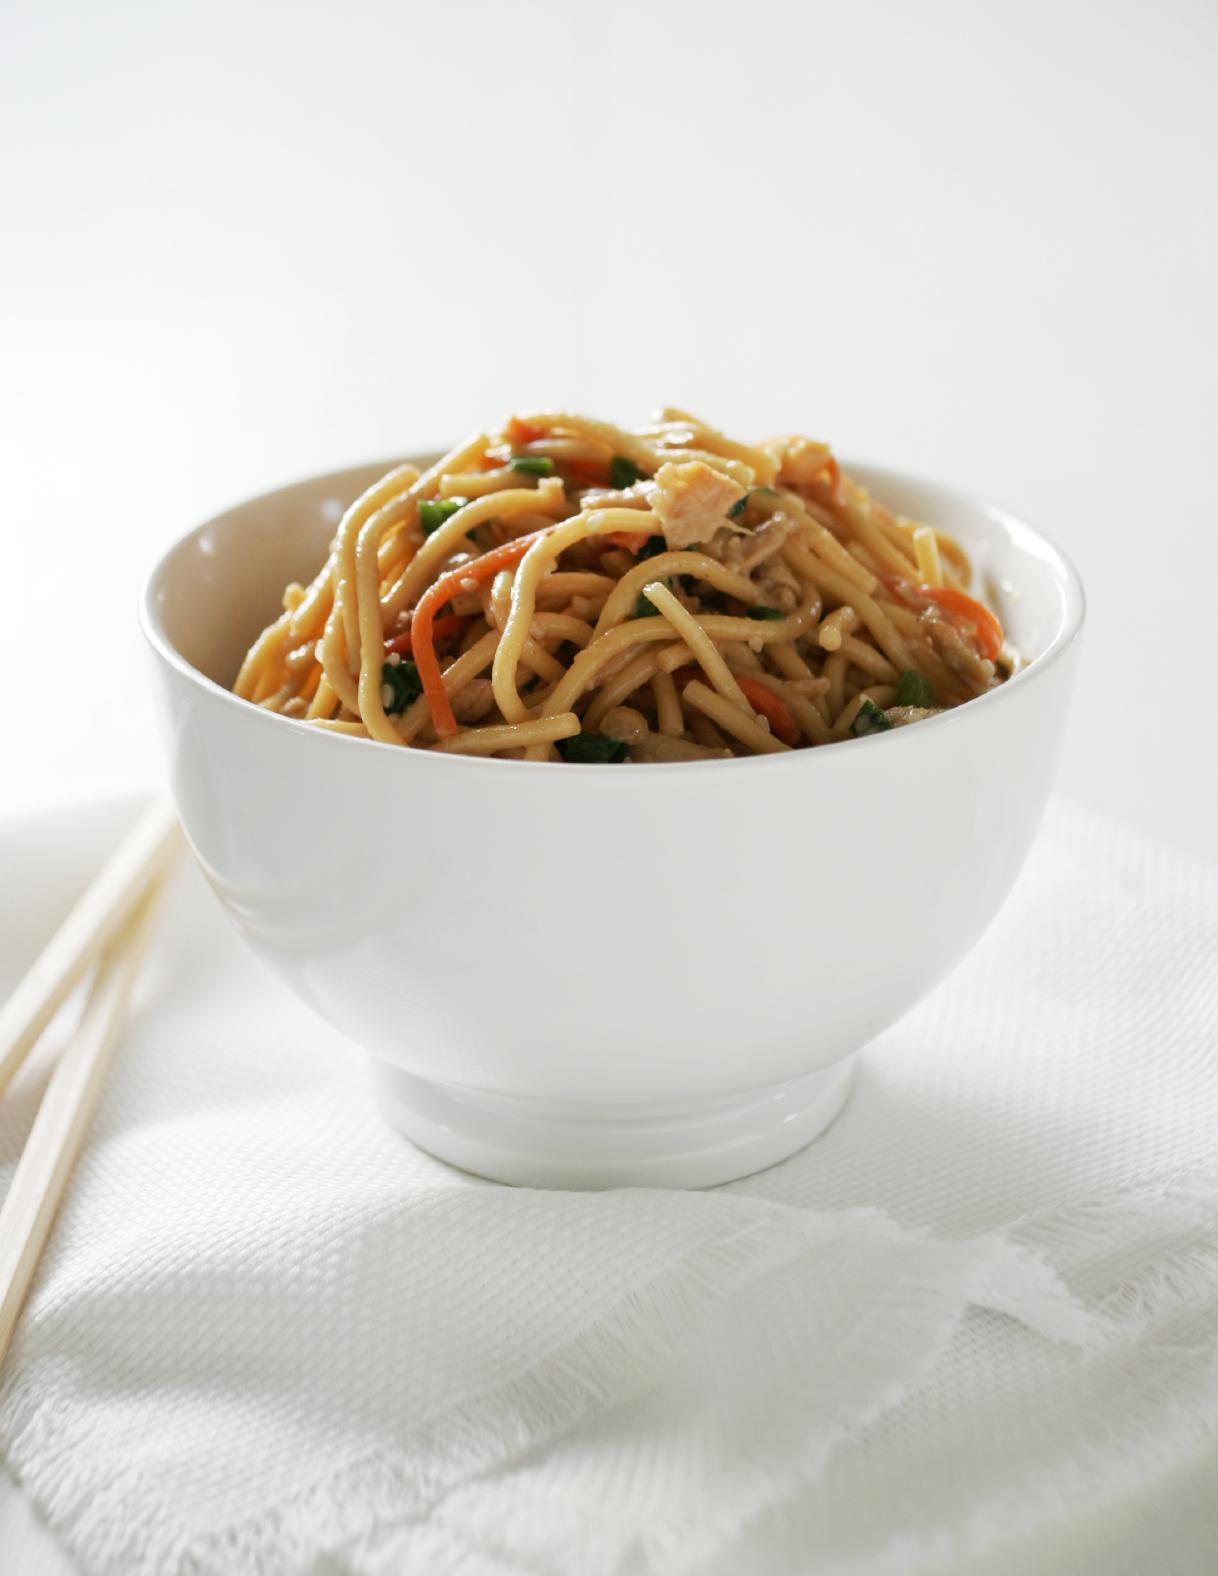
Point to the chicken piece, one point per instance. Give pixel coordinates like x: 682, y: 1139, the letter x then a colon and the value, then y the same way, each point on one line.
x: 744, y: 551
x: 661, y: 747
x: 779, y: 586
x: 801, y: 461
x: 691, y: 501
x: 625, y: 724
x: 902, y: 716
x: 473, y: 701
x: 631, y: 728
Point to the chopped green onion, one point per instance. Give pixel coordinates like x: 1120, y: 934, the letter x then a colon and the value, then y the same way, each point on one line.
x: 913, y: 689
x: 652, y: 546
x: 870, y: 719
x: 532, y: 464
x: 623, y: 472
x: 403, y: 679
x: 765, y: 612
x: 645, y: 609
x: 434, y: 511
x: 591, y: 749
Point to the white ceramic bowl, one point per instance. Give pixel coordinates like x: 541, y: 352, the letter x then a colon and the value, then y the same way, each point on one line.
x: 593, y: 975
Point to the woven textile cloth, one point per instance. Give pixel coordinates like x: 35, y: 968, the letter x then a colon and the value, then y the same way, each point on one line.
x: 269, y: 1336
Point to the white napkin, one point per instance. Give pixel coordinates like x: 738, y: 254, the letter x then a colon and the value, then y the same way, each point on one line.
x: 270, y: 1336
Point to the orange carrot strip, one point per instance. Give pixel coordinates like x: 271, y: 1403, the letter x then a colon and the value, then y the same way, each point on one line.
x: 973, y: 615
x: 452, y: 624
x: 772, y: 707
x: 588, y: 473
x: 522, y: 432
x: 424, y: 625
x: 632, y: 541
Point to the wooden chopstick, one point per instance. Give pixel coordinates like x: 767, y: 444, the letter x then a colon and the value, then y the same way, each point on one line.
x: 99, y: 915
x: 63, y: 1118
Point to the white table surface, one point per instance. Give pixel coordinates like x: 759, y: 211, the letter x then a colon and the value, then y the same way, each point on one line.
x: 243, y: 244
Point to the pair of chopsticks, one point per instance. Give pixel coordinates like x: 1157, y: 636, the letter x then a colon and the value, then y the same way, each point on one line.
x: 108, y: 927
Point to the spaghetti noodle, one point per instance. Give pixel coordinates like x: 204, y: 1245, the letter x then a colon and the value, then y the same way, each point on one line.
x: 564, y: 589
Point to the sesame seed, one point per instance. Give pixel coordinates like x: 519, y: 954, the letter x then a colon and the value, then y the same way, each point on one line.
x: 756, y: 644
x: 394, y: 659
x: 469, y: 583
x: 386, y: 695
x: 763, y: 723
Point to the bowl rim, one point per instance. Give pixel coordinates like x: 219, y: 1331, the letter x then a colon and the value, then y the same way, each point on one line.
x: 877, y: 475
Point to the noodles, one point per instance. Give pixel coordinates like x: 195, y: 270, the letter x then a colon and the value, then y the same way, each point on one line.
x: 568, y: 589
x: 736, y: 720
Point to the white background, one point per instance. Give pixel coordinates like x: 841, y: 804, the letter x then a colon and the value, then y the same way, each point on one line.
x: 244, y: 243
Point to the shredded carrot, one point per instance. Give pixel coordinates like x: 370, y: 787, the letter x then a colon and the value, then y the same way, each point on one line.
x: 424, y: 626
x: 492, y: 462
x: 772, y: 707
x: 973, y: 616
x: 589, y: 473
x: 760, y: 698
x: 452, y: 624
x: 632, y: 541
x: 522, y: 432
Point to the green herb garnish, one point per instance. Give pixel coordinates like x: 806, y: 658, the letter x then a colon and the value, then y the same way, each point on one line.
x: 403, y: 679
x: 652, y: 546
x: 623, y: 472
x: 913, y: 689
x: 870, y: 719
x: 764, y: 612
x: 742, y: 504
x: 645, y: 609
x: 532, y: 464
x: 434, y: 511
x: 592, y: 749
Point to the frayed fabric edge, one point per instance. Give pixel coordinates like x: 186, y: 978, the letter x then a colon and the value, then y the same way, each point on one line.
x: 637, y: 1339
x: 1101, y: 1462
x: 641, y: 1335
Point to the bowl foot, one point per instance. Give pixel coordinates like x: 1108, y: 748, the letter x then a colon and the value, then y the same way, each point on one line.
x: 553, y: 1143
